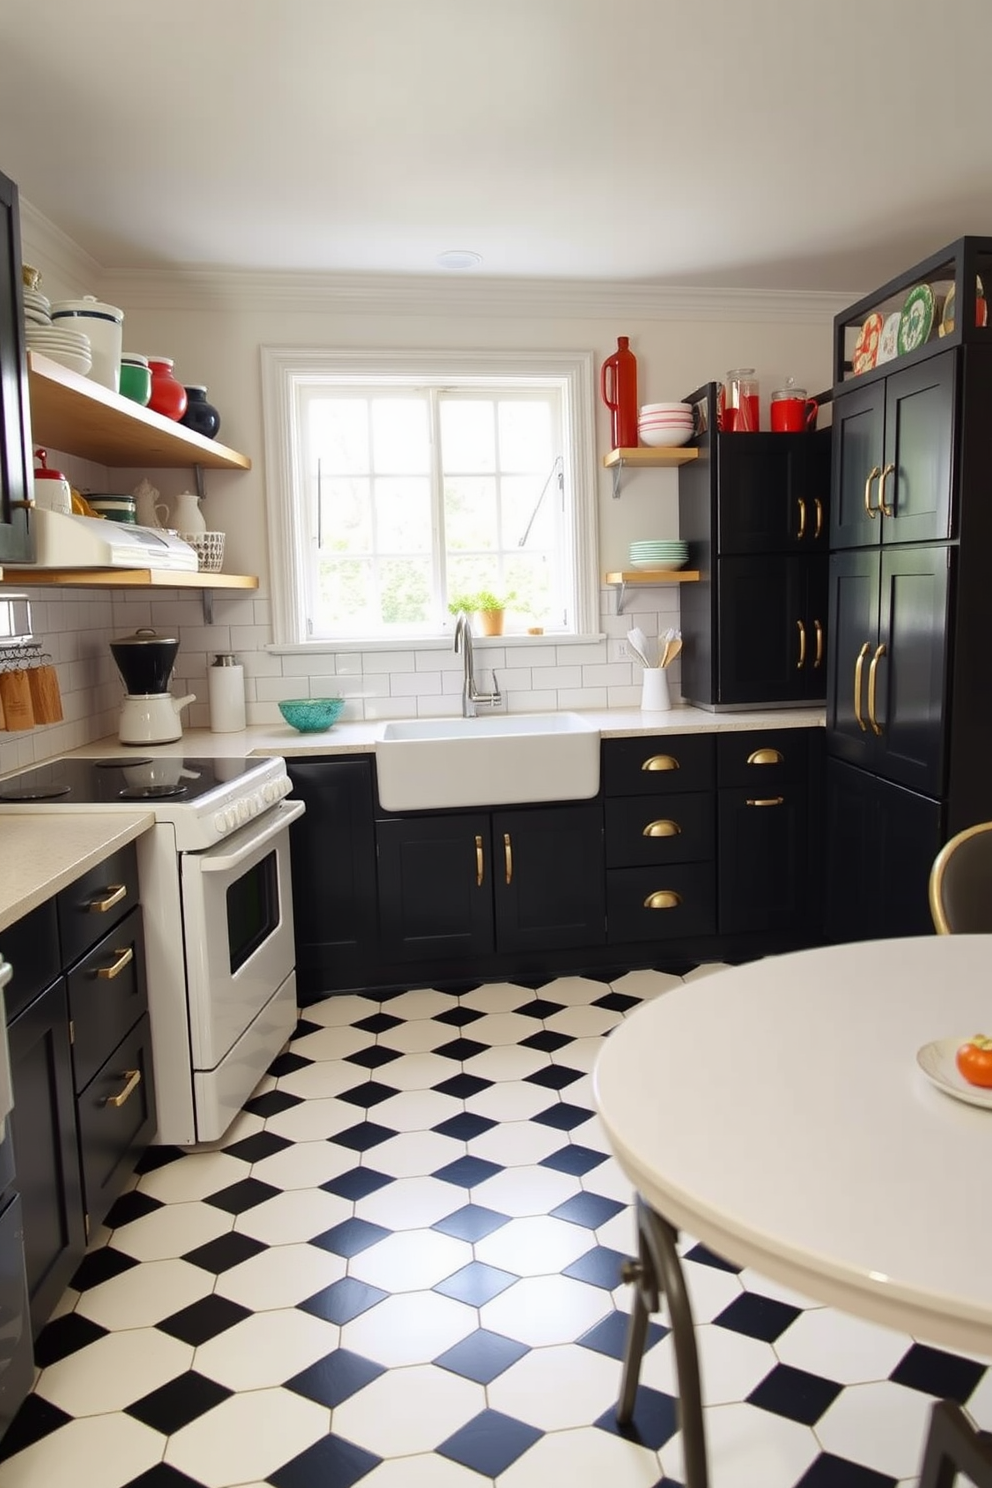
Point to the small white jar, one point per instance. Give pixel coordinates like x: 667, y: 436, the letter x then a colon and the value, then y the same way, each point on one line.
x: 226, y: 694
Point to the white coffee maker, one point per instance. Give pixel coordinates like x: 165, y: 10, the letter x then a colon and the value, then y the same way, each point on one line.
x: 149, y: 712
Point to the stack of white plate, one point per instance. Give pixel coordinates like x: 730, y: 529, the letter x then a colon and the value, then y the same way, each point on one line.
x: 665, y: 424
x: 68, y: 347
x: 661, y: 554
x: 37, y: 308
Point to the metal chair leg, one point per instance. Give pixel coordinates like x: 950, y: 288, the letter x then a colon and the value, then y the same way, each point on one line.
x: 954, y: 1445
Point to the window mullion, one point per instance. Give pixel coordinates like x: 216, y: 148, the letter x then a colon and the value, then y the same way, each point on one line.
x: 438, y: 543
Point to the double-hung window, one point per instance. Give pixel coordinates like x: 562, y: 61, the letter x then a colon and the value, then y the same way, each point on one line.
x: 402, y: 485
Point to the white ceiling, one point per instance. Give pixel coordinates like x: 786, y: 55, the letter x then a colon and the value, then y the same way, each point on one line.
x: 770, y: 144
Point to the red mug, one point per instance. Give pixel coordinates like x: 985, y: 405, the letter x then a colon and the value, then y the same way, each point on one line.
x: 793, y: 413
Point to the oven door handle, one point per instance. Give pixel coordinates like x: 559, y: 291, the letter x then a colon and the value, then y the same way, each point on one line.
x: 271, y: 825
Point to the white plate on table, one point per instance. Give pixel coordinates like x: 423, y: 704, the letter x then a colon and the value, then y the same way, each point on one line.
x: 937, y: 1061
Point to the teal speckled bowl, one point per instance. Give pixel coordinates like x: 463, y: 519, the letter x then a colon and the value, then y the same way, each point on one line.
x: 310, y: 715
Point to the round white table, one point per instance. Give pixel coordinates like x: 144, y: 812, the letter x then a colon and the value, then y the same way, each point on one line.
x: 776, y: 1111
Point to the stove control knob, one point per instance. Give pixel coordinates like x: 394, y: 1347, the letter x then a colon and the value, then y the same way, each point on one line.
x: 253, y: 805
x: 242, y: 811
x: 271, y: 792
x: 220, y: 823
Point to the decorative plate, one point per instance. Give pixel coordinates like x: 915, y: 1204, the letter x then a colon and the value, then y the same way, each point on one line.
x: 888, y: 341
x: 947, y: 319
x: 916, y: 321
x: 866, y: 346
x: 937, y: 1062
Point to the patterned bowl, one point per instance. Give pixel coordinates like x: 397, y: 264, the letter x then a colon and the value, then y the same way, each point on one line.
x: 310, y: 715
x: 209, y: 549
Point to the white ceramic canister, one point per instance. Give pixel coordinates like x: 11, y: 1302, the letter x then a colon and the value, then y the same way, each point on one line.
x: 226, y: 693
x: 186, y: 513
x: 104, y: 326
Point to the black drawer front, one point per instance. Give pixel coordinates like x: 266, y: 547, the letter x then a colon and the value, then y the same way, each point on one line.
x: 101, y: 898
x: 684, y: 896
x: 763, y: 759
x: 106, y: 996
x: 658, y: 763
x: 116, y: 1120
x: 32, y: 948
x: 640, y: 831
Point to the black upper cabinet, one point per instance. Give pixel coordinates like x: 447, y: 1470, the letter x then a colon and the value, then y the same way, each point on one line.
x: 893, y: 457
x: 775, y: 488
x: 16, y: 544
x: 773, y: 625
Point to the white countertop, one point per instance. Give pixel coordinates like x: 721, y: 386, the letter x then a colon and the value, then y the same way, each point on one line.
x: 45, y: 853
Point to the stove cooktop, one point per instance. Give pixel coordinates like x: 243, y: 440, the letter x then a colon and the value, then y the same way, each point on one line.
x: 98, y: 782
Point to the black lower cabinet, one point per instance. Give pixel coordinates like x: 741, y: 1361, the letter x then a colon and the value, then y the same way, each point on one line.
x: 43, y: 1123
x: 763, y: 860
x: 881, y: 840
x: 435, y: 888
x: 116, y: 1114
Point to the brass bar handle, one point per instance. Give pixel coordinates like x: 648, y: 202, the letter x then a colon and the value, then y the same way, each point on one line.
x: 802, y: 519
x: 661, y: 762
x: 115, y: 893
x: 887, y: 511
x: 767, y: 801
x: 479, y: 864
x: 818, y: 508
x: 858, y: 669
x: 124, y: 958
x: 662, y: 829
x: 508, y: 856
x: 663, y: 899
x: 766, y: 756
x: 818, y: 658
x: 802, y: 646
x: 872, y: 671
x: 873, y: 474
x: 132, y: 1079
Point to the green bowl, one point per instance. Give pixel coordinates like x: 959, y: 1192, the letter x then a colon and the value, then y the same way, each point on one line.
x: 310, y: 715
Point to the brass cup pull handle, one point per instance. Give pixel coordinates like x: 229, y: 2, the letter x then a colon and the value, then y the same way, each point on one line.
x: 818, y: 658
x: 480, y: 867
x: 661, y: 762
x: 115, y: 893
x: 508, y: 856
x: 872, y: 679
x: 767, y: 801
x: 132, y: 1079
x: 858, y: 669
x: 802, y: 646
x: 873, y: 474
x: 802, y: 519
x: 818, y: 509
x: 766, y: 756
x: 124, y: 958
x: 887, y: 511
x: 663, y: 899
x: 662, y: 829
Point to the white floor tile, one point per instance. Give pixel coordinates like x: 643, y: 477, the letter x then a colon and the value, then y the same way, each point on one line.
x: 103, y: 1451
x: 498, y: 997
x: 416, y: 1038
x: 145, y: 1295
x: 882, y: 1426
x: 609, y: 1179
x: 410, y: 1261
x: 193, y: 1176
x: 304, y: 1165
x: 506, y: 1063
x: 516, y: 1143
x: 645, y: 984
x: 538, y: 1246
x: 422, y: 1471
x: 266, y: 1349
x: 172, y: 1231
x: 574, y: 991
x: 840, y: 1347
x: 587, y: 1457
x: 315, y: 1120
x: 415, y: 1154
x: 414, y: 1110
x: 511, y: 1100
x: 424, y: 1002
x: 580, y: 1054
x: 525, y: 1190
x: 412, y: 1328
x: 501, y: 1028
x: 323, y: 1080
x: 748, y: 1448
x: 408, y: 1411
x: 556, y: 1388
x: 114, y: 1371
x: 282, y: 1276
x: 332, y: 1043
x: 297, y: 1215
x: 710, y: 1290
x: 246, y: 1435
x: 546, y: 1310
x: 731, y: 1364
x: 410, y: 1203
x: 584, y: 1021
x: 339, y: 1012
x: 417, y: 1070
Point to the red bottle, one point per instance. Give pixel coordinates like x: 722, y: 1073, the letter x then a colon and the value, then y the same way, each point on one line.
x: 168, y: 397
x: 618, y: 385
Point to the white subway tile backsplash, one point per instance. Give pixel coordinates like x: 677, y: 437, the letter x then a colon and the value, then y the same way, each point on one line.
x: 414, y: 684
x: 605, y: 674
x: 582, y: 697
x: 533, y: 656
x: 556, y: 676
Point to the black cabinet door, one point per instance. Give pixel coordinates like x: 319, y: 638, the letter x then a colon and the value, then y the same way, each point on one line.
x: 880, y: 843
x: 858, y: 457
x: 772, y: 628
x: 852, y: 620
x: 906, y: 703
x: 116, y: 1115
x: 773, y: 492
x: 435, y: 887
x: 762, y: 862
x: 334, y: 876
x: 914, y: 490
x: 549, y: 882
x: 46, y: 1155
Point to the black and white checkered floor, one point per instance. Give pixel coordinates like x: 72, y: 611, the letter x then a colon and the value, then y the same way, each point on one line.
x: 400, y: 1269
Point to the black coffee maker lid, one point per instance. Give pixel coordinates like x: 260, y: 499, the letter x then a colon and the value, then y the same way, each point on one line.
x: 145, y: 636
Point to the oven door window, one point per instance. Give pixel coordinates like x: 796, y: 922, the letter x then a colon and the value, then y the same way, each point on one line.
x: 252, y: 910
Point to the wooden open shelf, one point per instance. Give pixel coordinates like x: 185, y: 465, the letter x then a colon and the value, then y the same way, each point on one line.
x: 647, y: 578
x: 644, y: 456
x: 81, y: 417
x: 124, y: 578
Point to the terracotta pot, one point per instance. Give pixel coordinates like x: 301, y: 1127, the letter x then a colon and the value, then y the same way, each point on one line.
x: 490, y: 622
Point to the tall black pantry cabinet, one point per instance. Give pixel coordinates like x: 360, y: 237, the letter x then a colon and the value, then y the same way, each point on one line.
x: 909, y: 701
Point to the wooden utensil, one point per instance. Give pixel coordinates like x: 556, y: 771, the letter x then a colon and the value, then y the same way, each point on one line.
x: 672, y: 649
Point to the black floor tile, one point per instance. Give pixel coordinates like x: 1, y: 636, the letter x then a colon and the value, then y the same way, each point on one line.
x: 464, y: 1126
x: 369, y: 1093
x: 609, y: 1336
x: 617, y: 1002
x: 36, y: 1418
x: 463, y: 1086
x: 573, y: 1159
x: 599, y: 1267
x: 259, y: 1145
x: 377, y: 1023
x: 457, y: 1017
x: 461, y: 1049
x: 304, y: 1027
x: 828, y: 1471
x: 157, y: 1157
x: 350, y: 1237
x: 471, y: 1223
x: 129, y: 1207
x: 164, y: 1476
x: 100, y: 1266
x: 937, y: 1373
x: 540, y: 1008
x: 757, y: 1316
x: 177, y: 1403
x: 272, y: 1102
x: 356, y: 1184
x: 476, y: 1284
x: 654, y: 1422
x: 467, y: 1172
x: 794, y: 1393
x: 343, y: 1300
x: 329, y: 1463
x: 224, y: 1252
x: 374, y: 1056
x: 563, y: 1116
x: 546, y: 1041
x: 64, y: 1336
x: 591, y: 1210
x: 335, y: 1378
x: 288, y: 1063
x: 365, y: 1135
x: 489, y: 1443
x: 204, y: 1319
x: 554, y: 1077
x: 482, y: 1356
x: 704, y: 1257
x: 238, y: 1198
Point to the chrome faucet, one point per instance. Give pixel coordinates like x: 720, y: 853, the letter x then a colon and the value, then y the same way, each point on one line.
x: 471, y: 696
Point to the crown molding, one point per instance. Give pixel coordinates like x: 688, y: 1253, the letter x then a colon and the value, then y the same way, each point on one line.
x: 42, y: 237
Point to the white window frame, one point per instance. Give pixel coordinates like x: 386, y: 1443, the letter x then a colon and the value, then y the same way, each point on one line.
x: 288, y: 369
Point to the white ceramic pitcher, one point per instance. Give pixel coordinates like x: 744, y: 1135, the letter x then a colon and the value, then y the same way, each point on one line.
x: 151, y: 511
x: 186, y: 514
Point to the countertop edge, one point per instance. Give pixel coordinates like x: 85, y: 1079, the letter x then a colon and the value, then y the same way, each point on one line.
x: 51, y: 851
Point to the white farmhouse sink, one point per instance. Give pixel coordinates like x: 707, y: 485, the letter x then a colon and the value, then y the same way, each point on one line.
x: 432, y: 763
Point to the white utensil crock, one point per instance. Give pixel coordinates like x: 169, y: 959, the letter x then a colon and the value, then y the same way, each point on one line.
x: 655, y: 696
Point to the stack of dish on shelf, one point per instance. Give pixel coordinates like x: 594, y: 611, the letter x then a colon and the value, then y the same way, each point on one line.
x: 663, y: 425
x: 69, y: 347
x: 661, y: 554
x: 927, y: 311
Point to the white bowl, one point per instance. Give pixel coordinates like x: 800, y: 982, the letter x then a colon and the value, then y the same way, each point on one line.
x: 665, y: 438
x: 666, y: 408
